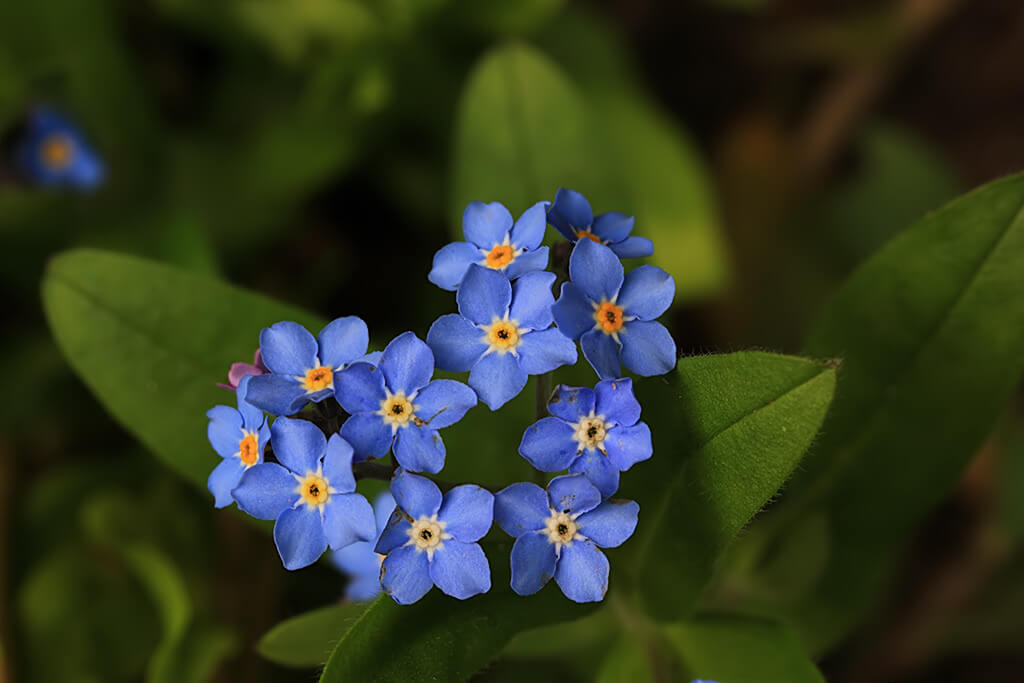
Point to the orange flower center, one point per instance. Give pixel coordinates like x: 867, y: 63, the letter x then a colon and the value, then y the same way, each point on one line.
x: 56, y: 152
x: 500, y: 256
x: 580, y: 234
x: 249, y: 450
x: 503, y: 335
x: 608, y: 317
x: 318, y: 379
x: 314, y: 489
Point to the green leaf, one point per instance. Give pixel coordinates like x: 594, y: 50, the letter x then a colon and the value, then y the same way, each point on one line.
x: 151, y: 341
x: 733, y: 648
x: 728, y: 431
x: 628, y: 660
x: 307, y: 640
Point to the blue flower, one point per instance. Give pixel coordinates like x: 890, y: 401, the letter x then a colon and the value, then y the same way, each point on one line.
x: 613, y: 317
x: 239, y: 437
x: 595, y: 432
x: 503, y: 334
x: 558, y: 534
x: 395, y: 405
x: 432, y: 541
x: 310, y: 495
x: 572, y: 216
x: 359, y: 560
x: 54, y: 153
x: 303, y: 368
x: 494, y: 243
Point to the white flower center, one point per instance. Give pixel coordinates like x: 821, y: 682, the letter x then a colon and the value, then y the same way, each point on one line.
x: 561, y: 529
x: 427, y: 534
x: 591, y: 432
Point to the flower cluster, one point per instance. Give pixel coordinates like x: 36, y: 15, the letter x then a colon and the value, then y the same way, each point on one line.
x: 338, y: 410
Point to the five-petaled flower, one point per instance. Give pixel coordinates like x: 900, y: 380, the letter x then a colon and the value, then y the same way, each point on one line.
x: 493, y: 242
x: 559, y: 534
x: 239, y: 437
x: 396, y: 405
x: 359, y: 561
x: 311, y: 494
x: 54, y: 153
x: 431, y: 540
x: 613, y: 316
x: 572, y: 216
x: 501, y: 334
x: 594, y: 432
x: 303, y: 368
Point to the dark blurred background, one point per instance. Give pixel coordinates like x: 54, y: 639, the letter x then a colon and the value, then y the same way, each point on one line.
x: 305, y: 149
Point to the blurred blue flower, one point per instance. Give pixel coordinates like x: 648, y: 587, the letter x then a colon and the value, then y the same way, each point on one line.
x: 239, y: 437
x: 613, y: 316
x: 302, y: 367
x: 572, y: 216
x: 594, y: 432
x: 310, y: 495
x: 494, y: 242
x: 431, y: 540
x: 559, y: 534
x: 501, y: 334
x: 397, y: 405
x: 54, y: 153
x: 360, y: 561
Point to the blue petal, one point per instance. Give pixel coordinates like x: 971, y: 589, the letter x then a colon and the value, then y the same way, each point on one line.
x: 266, y: 490
x: 460, y: 569
x: 548, y: 445
x: 612, y: 226
x: 363, y: 588
x: 646, y: 293
x: 602, y: 353
x: 444, y: 402
x: 348, y: 518
x: 383, y: 506
x: 405, y: 575
x: 571, y: 403
x: 276, y: 394
x: 373, y: 358
x: 573, y: 312
x: 616, y: 402
x: 419, y: 449
x: 486, y: 224
x: 533, y: 563
x: 288, y: 348
x: 572, y: 493
x: 252, y: 417
x: 299, y: 536
x: 451, y: 262
x: 598, y: 468
x: 298, y: 444
x: 357, y: 559
x: 416, y: 495
x: 407, y: 363
x: 610, y: 523
x: 368, y: 434
x: 647, y: 348
x: 359, y: 388
x: 394, y: 534
x: 528, y: 232
x: 633, y: 247
x: 520, y: 508
x: 338, y: 465
x: 542, y: 351
x: 527, y: 262
x: 223, y: 479
x: 497, y: 378
x: 343, y: 341
x: 628, y: 445
x: 457, y: 343
x: 582, y: 572
x: 484, y: 295
x: 225, y: 430
x: 570, y: 212
x: 532, y: 301
x: 596, y: 270
x: 468, y: 511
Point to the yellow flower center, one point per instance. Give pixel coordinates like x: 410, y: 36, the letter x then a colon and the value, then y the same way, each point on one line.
x: 503, y: 335
x: 249, y: 450
x: 500, y: 256
x: 56, y: 152
x: 318, y: 379
x: 591, y: 432
x: 397, y: 410
x: 581, y: 234
x: 314, y: 489
x: 608, y: 317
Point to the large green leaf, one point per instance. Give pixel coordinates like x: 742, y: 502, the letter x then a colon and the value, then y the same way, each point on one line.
x: 728, y: 430
x: 151, y: 341
x: 307, y: 640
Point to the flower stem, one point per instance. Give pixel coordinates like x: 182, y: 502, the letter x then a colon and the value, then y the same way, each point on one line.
x: 542, y: 392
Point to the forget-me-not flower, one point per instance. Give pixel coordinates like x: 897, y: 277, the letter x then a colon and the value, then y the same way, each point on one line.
x: 359, y: 561
x: 239, y: 437
x: 493, y: 242
x: 54, y: 153
x: 613, y: 316
x: 311, y: 494
x: 396, y: 405
x: 559, y: 534
x: 595, y: 432
x: 572, y: 216
x: 240, y: 370
x: 432, y: 540
x: 501, y: 334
